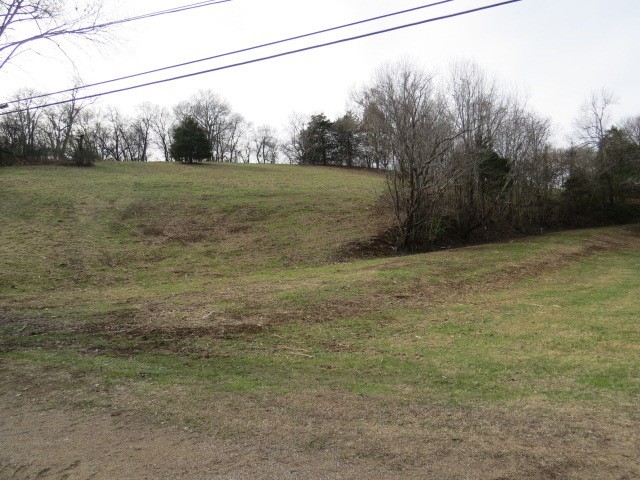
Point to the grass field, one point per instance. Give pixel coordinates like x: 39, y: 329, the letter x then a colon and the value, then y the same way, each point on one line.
x: 225, y: 303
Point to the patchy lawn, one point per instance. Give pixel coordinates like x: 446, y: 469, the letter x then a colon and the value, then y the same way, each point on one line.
x: 153, y: 314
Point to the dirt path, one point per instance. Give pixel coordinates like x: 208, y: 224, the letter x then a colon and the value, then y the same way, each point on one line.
x: 68, y: 445
x: 355, y: 441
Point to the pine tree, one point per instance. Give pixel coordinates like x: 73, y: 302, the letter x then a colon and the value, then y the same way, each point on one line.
x: 189, y: 142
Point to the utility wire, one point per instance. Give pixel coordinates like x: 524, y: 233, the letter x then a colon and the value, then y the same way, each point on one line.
x: 89, y: 28
x: 234, y: 52
x: 144, y: 16
x: 95, y: 26
x: 271, y: 57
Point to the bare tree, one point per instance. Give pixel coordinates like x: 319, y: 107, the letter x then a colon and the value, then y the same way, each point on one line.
x: 631, y: 127
x: 162, y: 123
x: 22, y: 129
x: 592, y: 126
x: 245, y: 144
x: 478, y: 108
x: 236, y: 132
x: 140, y: 134
x: 212, y: 114
x: 534, y: 170
x: 61, y: 122
x: 595, y: 118
x: 265, y: 144
x: 293, y: 147
x: 414, y: 118
x: 376, y: 141
x: 100, y: 134
x: 466, y: 158
x: 113, y: 138
x: 24, y: 23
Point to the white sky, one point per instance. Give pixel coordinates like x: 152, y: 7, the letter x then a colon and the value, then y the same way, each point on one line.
x: 558, y: 51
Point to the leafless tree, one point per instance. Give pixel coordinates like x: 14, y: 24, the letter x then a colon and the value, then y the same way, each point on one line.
x: 413, y: 117
x: 376, y: 141
x: 212, y: 114
x: 22, y: 129
x: 265, y: 144
x: 237, y: 130
x: 293, y: 147
x: 595, y: 118
x: 139, y: 134
x: 631, y: 127
x: 461, y: 157
x: 245, y: 144
x: 478, y: 107
x: 162, y: 123
x: 534, y: 169
x: 478, y: 104
x: 61, y: 122
x: 25, y: 23
x: 111, y: 135
x: 114, y: 136
x: 100, y: 135
x: 591, y: 128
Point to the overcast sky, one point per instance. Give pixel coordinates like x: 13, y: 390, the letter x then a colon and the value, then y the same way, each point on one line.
x: 558, y: 51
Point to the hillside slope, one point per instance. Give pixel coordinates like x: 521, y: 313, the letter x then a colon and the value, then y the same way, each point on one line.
x: 117, y: 224
x: 203, y: 308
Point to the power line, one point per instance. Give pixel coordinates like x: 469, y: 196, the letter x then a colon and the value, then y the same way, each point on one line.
x: 234, y: 52
x: 271, y: 57
x: 143, y: 16
x: 182, y: 8
x: 92, y: 27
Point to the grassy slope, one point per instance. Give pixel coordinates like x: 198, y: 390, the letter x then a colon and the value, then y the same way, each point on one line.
x: 118, y: 232
x: 163, y: 278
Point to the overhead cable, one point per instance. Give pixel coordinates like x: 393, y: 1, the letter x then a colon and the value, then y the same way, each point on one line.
x: 234, y: 52
x: 144, y: 16
x: 271, y: 57
x: 182, y: 8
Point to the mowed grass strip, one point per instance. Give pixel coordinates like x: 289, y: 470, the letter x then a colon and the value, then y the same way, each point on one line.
x: 569, y: 336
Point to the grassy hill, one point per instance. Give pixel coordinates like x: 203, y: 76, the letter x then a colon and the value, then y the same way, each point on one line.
x: 221, y: 299
x: 123, y: 230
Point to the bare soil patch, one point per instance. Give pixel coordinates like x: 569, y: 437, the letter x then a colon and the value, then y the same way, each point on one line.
x: 322, y: 435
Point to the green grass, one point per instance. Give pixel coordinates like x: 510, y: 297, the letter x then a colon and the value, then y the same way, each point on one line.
x: 121, y: 224
x: 160, y: 249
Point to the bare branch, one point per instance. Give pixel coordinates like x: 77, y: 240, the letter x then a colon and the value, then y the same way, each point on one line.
x: 26, y: 22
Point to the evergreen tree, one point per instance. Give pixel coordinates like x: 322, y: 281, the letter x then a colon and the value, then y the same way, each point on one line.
x: 189, y: 142
x: 619, y: 167
x: 317, y: 141
x: 347, y: 140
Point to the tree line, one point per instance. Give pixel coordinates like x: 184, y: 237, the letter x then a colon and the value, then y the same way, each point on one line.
x: 80, y: 133
x: 466, y: 159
